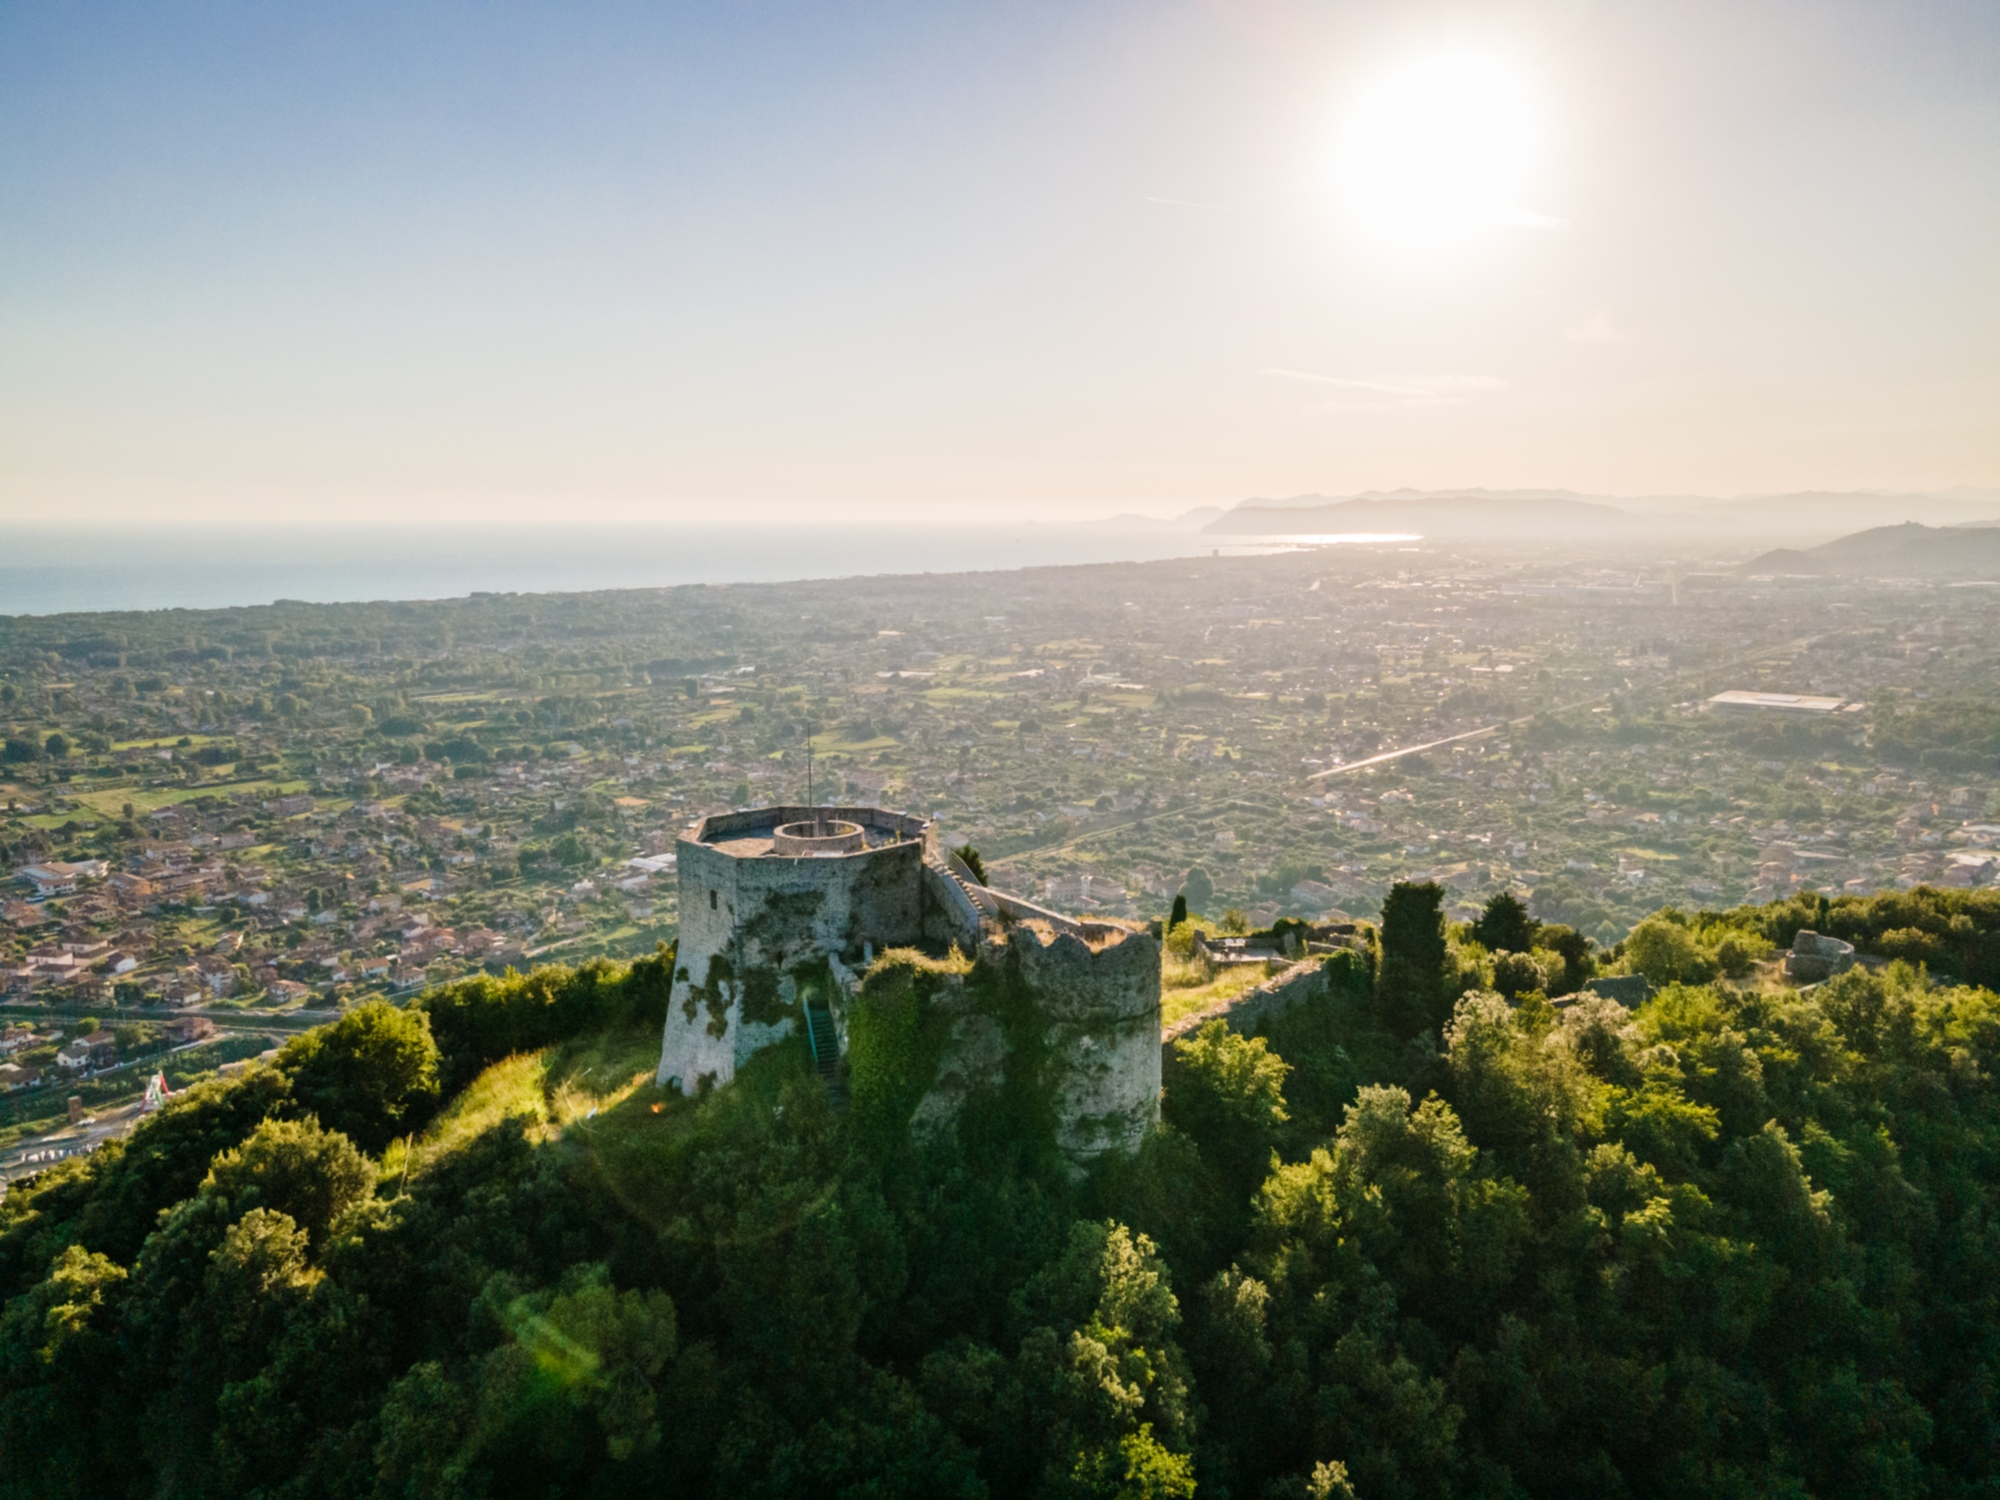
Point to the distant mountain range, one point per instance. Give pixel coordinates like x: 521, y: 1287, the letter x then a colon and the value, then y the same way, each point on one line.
x: 1807, y: 517
x: 1469, y: 516
x: 1906, y: 551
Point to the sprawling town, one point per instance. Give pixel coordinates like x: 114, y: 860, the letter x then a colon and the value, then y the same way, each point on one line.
x: 221, y: 821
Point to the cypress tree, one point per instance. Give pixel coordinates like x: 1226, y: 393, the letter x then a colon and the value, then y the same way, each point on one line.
x: 1412, y: 989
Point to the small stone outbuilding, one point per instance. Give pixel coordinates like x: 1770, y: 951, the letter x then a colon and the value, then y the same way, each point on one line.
x: 1815, y: 957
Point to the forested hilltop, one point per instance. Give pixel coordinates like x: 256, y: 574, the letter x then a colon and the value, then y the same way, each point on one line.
x: 1430, y: 1234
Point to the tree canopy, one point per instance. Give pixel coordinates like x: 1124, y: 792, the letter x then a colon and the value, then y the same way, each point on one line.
x: 1742, y: 1240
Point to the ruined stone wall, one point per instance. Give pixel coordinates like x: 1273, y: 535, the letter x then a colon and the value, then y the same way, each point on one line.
x: 702, y: 1010
x: 756, y: 820
x: 1242, y: 1013
x: 1102, y: 1008
x: 1069, y: 1010
x: 1047, y: 1012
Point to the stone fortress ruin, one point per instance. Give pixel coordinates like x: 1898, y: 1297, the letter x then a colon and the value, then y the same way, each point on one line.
x: 786, y: 914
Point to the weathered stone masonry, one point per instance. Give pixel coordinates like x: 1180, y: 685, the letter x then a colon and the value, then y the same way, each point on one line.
x: 785, y: 906
x: 1096, y: 1031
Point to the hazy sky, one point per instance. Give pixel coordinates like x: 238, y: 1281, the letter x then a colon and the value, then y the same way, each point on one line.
x: 731, y: 261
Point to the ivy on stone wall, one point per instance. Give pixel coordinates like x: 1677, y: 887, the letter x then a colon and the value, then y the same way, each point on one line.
x: 895, y: 1038
x: 763, y: 996
x: 713, y: 994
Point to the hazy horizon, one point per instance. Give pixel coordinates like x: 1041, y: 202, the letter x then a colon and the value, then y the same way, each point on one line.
x: 1972, y: 499
x: 628, y: 265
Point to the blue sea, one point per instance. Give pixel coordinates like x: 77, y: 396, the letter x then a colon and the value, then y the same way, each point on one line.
x: 55, y: 570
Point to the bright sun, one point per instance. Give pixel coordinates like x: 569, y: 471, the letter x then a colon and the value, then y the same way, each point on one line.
x: 1438, y: 151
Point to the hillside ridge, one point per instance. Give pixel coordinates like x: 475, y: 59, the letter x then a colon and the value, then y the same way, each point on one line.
x: 1407, y: 1226
x: 1910, y: 549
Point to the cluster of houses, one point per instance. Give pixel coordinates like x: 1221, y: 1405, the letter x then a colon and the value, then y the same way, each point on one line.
x: 419, y: 943
x: 61, y: 878
x: 176, y: 864
x: 90, y: 969
x: 83, y: 964
x: 327, y: 896
x: 14, y: 1040
x: 81, y: 1057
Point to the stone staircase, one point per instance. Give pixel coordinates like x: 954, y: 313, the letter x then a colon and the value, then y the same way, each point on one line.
x: 825, y: 1045
x: 955, y: 870
x: 971, y: 891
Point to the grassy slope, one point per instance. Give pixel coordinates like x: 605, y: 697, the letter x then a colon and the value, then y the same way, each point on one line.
x: 554, y: 1092
x: 1228, y: 982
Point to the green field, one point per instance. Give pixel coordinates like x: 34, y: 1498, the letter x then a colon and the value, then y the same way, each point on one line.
x: 110, y: 802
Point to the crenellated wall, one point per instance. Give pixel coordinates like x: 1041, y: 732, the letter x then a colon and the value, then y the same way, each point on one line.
x: 1075, y: 1024
x: 1101, y: 1009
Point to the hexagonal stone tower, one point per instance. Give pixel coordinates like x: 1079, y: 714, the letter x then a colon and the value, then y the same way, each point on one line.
x: 779, y: 906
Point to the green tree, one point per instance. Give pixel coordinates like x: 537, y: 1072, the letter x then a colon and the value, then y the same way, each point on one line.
x: 1108, y: 1404
x: 1198, y: 889
x: 111, y: 1200
x: 1179, y: 912
x: 1518, y: 974
x: 372, y: 1075
x: 1227, y: 1095
x: 1574, y: 950
x: 1412, y: 982
x: 972, y: 861
x: 59, y: 1369
x: 566, y: 1399
x: 293, y: 1166
x: 1505, y: 924
x: 214, y: 1297
x: 1401, y: 1194
x: 1666, y: 952
x: 1229, y: 1350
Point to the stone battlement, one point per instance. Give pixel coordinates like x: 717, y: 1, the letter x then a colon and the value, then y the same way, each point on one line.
x: 1084, y: 1016
x: 789, y: 832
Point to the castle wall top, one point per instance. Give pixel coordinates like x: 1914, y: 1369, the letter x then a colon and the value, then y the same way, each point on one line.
x: 755, y: 832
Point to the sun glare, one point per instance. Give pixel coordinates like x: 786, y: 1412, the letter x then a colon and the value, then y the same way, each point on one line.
x: 1438, y: 151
